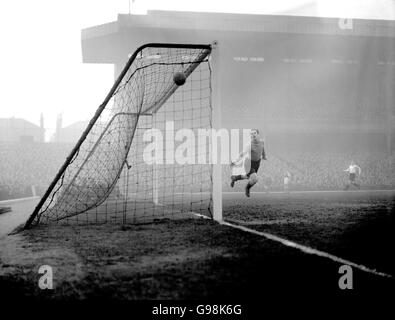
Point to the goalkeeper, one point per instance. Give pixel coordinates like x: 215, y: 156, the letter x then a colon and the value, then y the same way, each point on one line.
x: 254, y: 151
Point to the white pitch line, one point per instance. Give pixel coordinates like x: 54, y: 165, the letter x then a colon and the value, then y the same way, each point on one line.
x: 307, y: 250
x: 201, y: 216
x: 312, y: 191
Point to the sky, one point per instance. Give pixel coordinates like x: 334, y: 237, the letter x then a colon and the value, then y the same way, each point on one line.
x: 41, y: 69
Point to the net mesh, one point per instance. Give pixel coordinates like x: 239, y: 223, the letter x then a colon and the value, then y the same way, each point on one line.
x: 139, y: 159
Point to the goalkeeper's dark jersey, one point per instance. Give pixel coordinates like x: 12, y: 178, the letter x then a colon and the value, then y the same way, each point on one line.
x: 257, y: 150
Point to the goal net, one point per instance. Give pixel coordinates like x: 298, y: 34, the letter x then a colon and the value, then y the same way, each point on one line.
x: 145, y: 154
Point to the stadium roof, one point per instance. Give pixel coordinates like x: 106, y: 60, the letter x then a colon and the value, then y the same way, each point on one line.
x: 240, y: 22
x: 110, y: 42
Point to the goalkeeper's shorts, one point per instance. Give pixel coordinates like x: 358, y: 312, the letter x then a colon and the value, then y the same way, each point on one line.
x: 254, y: 167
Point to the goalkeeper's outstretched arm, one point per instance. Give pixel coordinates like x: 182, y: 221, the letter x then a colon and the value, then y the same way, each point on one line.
x: 241, y: 155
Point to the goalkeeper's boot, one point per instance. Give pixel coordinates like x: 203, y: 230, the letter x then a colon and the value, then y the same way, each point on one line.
x: 232, y: 183
x: 248, y: 187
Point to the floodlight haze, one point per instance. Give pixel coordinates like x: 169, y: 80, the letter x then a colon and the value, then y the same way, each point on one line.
x: 41, y: 69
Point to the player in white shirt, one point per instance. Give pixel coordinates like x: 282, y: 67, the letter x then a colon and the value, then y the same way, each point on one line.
x: 352, y: 174
x: 287, y: 179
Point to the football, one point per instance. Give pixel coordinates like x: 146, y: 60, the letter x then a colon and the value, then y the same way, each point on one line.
x: 179, y: 78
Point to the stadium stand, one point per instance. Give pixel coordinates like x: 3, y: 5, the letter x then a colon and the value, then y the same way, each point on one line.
x: 35, y: 164
x: 23, y: 165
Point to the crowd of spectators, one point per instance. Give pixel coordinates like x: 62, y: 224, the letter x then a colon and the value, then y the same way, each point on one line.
x: 26, y: 168
x: 23, y: 165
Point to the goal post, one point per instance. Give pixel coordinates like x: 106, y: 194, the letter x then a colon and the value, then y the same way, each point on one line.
x: 217, y: 125
x: 155, y: 187
x: 107, y: 178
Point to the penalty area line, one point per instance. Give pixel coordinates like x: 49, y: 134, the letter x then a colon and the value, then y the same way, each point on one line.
x: 307, y: 250
x: 9, y: 201
x: 295, y: 192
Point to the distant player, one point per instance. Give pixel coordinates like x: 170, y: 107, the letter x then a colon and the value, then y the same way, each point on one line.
x: 352, y: 175
x: 253, y: 153
x: 287, y: 180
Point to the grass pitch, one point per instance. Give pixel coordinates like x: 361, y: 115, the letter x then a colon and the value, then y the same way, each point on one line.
x: 201, y: 259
